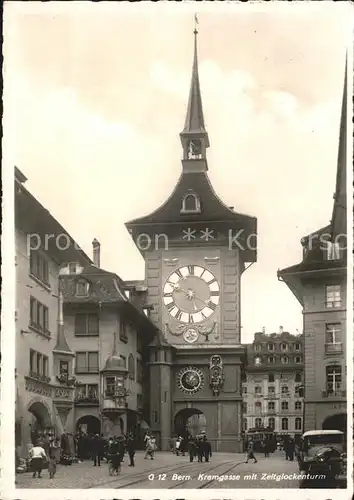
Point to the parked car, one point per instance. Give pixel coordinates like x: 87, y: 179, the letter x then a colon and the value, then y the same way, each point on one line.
x: 322, y: 452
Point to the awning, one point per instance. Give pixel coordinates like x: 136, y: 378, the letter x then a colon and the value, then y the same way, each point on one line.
x: 144, y: 425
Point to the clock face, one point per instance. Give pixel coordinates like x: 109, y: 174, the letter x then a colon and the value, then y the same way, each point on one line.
x: 191, y: 294
x: 190, y: 380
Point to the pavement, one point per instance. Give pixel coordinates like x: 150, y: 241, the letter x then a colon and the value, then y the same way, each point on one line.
x: 167, y: 471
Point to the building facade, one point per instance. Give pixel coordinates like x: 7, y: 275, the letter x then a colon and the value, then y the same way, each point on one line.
x: 193, y: 279
x: 80, y: 334
x: 273, y: 385
x: 319, y: 283
x: 38, y: 260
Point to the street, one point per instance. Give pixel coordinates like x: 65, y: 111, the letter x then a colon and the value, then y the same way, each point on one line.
x: 225, y: 470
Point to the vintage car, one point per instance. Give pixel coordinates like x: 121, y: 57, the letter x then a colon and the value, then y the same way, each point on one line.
x: 322, y: 452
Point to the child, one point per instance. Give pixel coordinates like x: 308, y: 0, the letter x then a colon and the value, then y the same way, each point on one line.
x: 52, y: 467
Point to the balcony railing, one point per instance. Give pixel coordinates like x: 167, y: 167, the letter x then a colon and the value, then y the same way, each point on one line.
x: 338, y: 393
x: 87, y: 400
x: 37, y: 376
x: 336, y: 348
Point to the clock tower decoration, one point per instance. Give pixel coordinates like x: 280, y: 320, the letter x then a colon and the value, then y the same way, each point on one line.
x: 193, y: 286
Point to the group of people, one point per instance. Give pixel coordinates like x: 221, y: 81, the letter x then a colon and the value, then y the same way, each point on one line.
x: 48, y: 452
x: 197, y: 447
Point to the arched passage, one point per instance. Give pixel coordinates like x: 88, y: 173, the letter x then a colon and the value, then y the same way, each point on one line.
x: 337, y: 422
x: 41, y: 421
x: 189, y: 421
x: 88, y: 425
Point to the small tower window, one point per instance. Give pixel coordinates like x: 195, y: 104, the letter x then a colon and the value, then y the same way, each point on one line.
x: 82, y: 288
x: 190, y: 203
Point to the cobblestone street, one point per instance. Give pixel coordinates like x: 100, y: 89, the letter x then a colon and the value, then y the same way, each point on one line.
x: 225, y: 470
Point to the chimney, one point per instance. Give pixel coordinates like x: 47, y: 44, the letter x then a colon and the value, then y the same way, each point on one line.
x: 280, y: 329
x: 96, y: 249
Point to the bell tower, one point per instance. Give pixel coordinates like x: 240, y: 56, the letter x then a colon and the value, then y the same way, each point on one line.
x: 195, y: 250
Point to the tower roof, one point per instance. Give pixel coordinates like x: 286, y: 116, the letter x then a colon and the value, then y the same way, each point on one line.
x: 195, y: 117
x: 114, y: 361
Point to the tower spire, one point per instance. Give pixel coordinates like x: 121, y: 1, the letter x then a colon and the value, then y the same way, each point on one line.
x: 194, y: 137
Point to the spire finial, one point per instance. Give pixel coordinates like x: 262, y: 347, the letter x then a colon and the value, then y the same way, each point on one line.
x: 196, y: 22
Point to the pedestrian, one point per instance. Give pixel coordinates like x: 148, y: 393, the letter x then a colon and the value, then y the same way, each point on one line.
x: 250, y: 452
x: 291, y: 449
x: 200, y: 449
x: 114, y: 456
x: 97, y: 450
x: 206, y: 448
x: 52, y: 467
x: 178, y: 445
x: 38, y: 458
x: 55, y: 450
x: 192, y: 449
x: 150, y: 448
x: 130, y: 445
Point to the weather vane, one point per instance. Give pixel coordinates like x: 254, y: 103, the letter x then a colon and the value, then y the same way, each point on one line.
x: 196, y: 21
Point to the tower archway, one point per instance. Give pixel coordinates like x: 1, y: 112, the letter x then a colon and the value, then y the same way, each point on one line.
x: 337, y: 421
x: 190, y: 421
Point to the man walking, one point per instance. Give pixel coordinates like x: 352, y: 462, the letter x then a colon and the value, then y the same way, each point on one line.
x: 206, y: 446
x: 97, y: 450
x: 131, y: 449
x: 250, y: 452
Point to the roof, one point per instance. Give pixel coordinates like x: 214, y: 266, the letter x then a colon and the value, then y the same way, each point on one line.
x: 115, y: 363
x: 212, y: 208
x: 321, y: 433
x: 32, y: 217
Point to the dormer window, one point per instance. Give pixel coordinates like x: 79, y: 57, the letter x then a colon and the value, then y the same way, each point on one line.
x: 82, y: 288
x: 72, y: 267
x: 190, y: 203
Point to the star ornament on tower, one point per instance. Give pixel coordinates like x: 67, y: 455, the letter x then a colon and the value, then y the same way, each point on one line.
x: 189, y: 234
x: 207, y: 234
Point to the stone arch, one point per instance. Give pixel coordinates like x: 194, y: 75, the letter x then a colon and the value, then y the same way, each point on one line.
x: 336, y: 421
x: 41, y: 419
x: 189, y: 421
x: 88, y: 424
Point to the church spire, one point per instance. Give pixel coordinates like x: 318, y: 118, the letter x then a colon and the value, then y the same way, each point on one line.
x: 194, y: 137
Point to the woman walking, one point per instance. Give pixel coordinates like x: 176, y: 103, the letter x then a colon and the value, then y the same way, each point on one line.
x: 37, y: 457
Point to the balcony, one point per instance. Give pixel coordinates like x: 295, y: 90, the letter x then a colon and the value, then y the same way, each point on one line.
x: 115, y: 401
x: 334, y: 394
x: 336, y: 348
x: 41, y: 378
x: 91, y: 400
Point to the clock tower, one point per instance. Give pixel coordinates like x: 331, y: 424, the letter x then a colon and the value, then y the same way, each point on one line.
x: 196, y: 249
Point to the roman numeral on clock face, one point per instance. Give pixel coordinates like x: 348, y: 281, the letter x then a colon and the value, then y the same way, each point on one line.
x: 214, y: 293
x: 168, y: 294
x: 170, y: 306
x: 211, y: 305
x: 178, y: 314
x: 213, y: 280
x: 191, y: 270
x: 179, y: 274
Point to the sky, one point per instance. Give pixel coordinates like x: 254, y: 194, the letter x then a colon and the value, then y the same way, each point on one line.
x: 95, y: 97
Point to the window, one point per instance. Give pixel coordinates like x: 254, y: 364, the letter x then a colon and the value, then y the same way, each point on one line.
x: 64, y: 369
x: 271, y: 360
x: 86, y: 362
x: 86, y: 324
x: 298, y: 424
x: 271, y: 405
x: 298, y: 405
x: 123, y: 332
x: 165, y: 396
x: 39, y: 267
x: 257, y: 360
x: 284, y: 360
x: 82, y: 288
x: 154, y: 416
x: 131, y: 367
x: 333, y: 378
x: 284, y: 424
x: 258, y: 422
x: 38, y: 365
x: 298, y: 377
x: 284, y: 405
x: 110, y: 386
x: 257, y: 347
x: 333, y: 296
x: 271, y: 389
x: 72, y: 267
x: 245, y: 424
x: 298, y: 359
x: 271, y: 422
x: 258, y: 406
x: 284, y: 347
x: 139, y: 371
x: 333, y: 333
x: 333, y: 250
x: 39, y: 319
x: 244, y: 407
x: 87, y: 392
x: 244, y: 389
x: 271, y: 347
x: 285, y: 389
x: 190, y: 203
x: 297, y: 347
x: 270, y: 377
x: 139, y: 398
x: 258, y: 389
